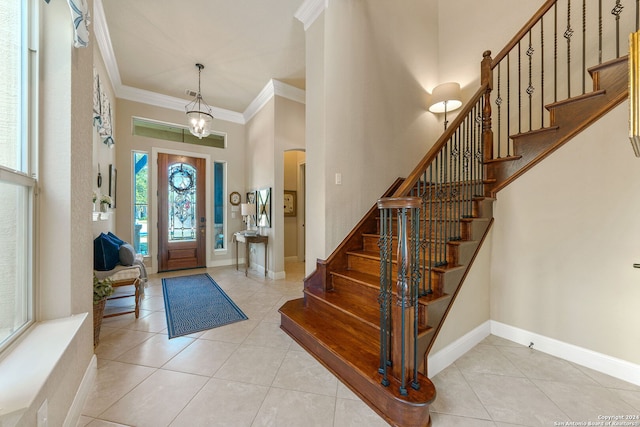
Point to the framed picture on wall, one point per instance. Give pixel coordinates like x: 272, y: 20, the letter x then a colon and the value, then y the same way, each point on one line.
x: 113, y: 180
x: 289, y: 203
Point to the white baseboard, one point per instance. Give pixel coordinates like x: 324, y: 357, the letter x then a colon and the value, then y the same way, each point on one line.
x: 612, y: 366
x: 82, y: 394
x: 445, y: 357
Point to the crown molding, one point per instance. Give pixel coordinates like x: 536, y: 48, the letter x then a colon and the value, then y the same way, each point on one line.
x: 271, y: 89
x: 173, y: 103
x: 310, y: 10
x: 103, y: 38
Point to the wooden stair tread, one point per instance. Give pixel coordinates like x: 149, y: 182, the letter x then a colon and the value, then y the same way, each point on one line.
x: 337, y: 334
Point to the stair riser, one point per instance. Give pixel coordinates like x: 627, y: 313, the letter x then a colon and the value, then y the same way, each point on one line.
x: 373, y: 328
x: 364, y: 293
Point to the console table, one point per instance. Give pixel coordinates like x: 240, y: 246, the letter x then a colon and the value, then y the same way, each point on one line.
x: 248, y: 240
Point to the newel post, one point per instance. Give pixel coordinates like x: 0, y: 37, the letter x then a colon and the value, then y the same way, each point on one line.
x: 486, y: 78
x: 398, y: 321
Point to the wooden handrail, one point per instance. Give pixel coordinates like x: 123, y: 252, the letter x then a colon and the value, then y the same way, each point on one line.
x: 411, y: 180
x: 520, y: 34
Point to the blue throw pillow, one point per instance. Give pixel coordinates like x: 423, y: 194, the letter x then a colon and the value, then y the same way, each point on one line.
x: 105, y: 253
x: 116, y: 239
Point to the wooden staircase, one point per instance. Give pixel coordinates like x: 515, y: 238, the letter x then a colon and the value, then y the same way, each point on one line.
x: 339, y: 319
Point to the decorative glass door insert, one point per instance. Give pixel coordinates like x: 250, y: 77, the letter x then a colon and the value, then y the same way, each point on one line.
x: 182, y: 202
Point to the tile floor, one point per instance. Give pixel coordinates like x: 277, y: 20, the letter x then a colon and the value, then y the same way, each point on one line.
x: 252, y: 374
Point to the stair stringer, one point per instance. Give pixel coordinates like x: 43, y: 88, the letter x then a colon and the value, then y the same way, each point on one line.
x: 567, y: 119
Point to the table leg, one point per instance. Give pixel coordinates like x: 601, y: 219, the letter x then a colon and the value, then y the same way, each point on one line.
x: 265, y: 259
x: 246, y: 262
x: 236, y: 255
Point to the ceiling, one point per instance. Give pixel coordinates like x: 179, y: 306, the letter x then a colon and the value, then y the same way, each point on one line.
x: 243, y: 44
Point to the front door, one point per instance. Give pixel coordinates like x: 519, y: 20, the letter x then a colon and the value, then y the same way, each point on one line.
x: 181, y: 212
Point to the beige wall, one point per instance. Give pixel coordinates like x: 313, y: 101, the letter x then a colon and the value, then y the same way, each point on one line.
x: 565, y: 240
x: 233, y: 155
x: 276, y: 128
x: 369, y: 120
x: 103, y: 155
x: 64, y: 235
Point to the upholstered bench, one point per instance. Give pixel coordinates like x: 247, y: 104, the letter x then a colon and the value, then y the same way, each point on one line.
x: 125, y: 276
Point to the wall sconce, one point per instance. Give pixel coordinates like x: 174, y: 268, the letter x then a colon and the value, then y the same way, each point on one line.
x: 445, y: 97
x: 248, y: 211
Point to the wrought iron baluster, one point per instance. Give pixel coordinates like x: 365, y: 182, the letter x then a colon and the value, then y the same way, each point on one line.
x: 430, y: 228
x: 498, y: 102
x: 508, y: 135
x: 384, y: 297
x: 530, y: 88
x: 584, y: 44
x: 415, y: 294
x: 542, y: 109
x: 519, y: 89
x: 568, y: 33
x: 599, y: 31
x: 555, y: 52
x: 616, y: 11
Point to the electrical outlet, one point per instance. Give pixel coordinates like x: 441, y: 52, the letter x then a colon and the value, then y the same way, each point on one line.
x: 43, y: 415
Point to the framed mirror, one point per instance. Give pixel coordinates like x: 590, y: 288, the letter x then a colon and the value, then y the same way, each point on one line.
x: 263, y: 198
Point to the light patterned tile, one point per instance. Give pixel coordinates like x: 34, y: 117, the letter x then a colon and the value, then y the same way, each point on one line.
x: 268, y: 334
x: 300, y: 371
x: 537, y: 365
x: 157, y: 400
x: 455, y: 396
x: 234, y: 333
x: 156, y: 351
x: 113, y: 381
x: 222, y: 403
x: 254, y: 365
x: 355, y: 413
x: 119, y: 342
x: 584, y: 402
x: 203, y: 357
x: 287, y: 408
x: 514, y: 400
x: 486, y: 359
x: 445, y: 420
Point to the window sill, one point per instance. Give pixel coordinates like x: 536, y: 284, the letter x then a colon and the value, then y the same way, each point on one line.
x: 28, y: 364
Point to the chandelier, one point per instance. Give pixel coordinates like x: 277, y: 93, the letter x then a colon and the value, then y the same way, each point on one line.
x: 199, y: 113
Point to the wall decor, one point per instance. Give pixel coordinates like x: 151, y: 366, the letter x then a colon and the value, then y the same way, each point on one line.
x: 102, y: 111
x: 113, y: 180
x: 289, y: 203
x: 263, y: 197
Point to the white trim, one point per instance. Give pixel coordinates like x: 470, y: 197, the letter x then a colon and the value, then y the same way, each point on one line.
x: 271, y: 89
x: 618, y: 368
x: 173, y: 103
x: 103, y: 38
x: 29, y: 363
x: 309, y: 11
x: 82, y: 394
x: 445, y: 357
